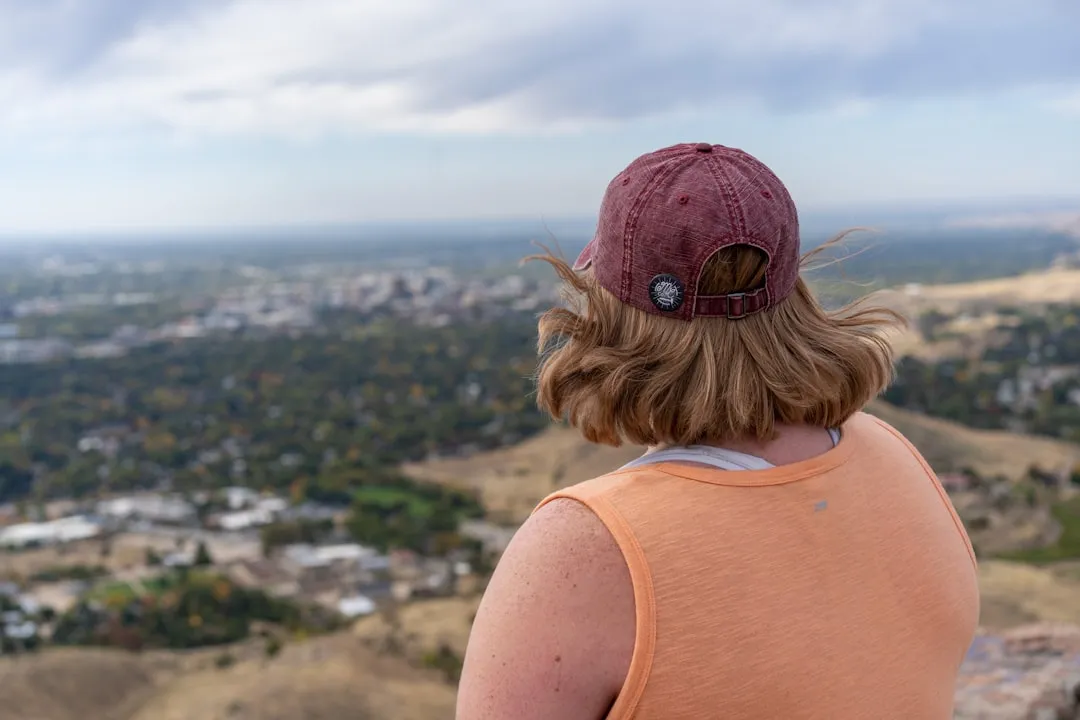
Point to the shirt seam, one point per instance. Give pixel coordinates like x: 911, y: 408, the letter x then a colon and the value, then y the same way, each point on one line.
x: 670, y: 469
x: 942, y: 495
x: 741, y: 478
x: 641, y: 660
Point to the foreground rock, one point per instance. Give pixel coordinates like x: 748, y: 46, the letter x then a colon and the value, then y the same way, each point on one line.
x: 1030, y: 672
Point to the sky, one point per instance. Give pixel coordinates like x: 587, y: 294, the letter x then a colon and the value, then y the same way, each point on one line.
x: 134, y: 114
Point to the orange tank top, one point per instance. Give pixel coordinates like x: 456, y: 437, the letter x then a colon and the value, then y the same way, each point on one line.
x: 843, y: 587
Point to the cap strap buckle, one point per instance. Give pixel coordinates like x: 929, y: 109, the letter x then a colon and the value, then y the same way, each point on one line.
x: 732, y: 305
x: 736, y: 305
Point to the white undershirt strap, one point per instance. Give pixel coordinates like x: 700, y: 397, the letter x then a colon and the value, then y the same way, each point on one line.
x: 720, y: 458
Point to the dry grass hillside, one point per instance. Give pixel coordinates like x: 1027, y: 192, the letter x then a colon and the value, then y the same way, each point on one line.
x: 1048, y: 286
x: 1036, y: 288
x: 68, y: 684
x: 422, y: 627
x: 326, y: 679
x: 512, y: 480
x: 330, y: 678
x: 976, y: 324
x: 1015, y: 593
x: 949, y: 446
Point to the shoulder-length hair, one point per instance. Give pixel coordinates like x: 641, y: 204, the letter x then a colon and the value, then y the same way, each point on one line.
x: 618, y: 374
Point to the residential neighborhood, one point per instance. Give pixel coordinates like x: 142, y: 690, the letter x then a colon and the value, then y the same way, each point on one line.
x: 49, y: 565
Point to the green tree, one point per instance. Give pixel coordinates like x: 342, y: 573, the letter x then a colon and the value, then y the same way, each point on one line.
x: 202, y: 556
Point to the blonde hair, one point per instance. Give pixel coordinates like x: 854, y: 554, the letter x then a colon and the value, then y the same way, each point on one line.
x: 622, y: 375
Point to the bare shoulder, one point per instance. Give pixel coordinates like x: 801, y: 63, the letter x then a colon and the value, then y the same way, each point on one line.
x: 555, y: 631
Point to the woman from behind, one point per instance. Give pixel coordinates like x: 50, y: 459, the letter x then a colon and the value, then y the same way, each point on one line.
x: 776, y: 552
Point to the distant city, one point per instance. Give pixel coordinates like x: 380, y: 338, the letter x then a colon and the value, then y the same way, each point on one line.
x: 267, y: 304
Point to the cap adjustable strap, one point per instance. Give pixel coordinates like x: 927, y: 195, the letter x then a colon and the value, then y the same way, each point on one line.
x: 733, y: 305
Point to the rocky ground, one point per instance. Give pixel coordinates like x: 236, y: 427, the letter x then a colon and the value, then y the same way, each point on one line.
x: 1028, y: 673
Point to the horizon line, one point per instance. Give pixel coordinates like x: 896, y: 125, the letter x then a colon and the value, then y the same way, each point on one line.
x: 818, y: 212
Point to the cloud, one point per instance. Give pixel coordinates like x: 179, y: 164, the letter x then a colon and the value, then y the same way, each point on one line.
x: 283, y: 67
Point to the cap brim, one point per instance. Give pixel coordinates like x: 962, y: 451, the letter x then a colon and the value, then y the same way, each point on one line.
x: 585, y: 259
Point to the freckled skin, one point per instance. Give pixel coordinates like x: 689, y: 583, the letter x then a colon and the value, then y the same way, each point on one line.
x: 554, y: 633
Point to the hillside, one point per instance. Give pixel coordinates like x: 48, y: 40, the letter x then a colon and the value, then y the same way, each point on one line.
x: 1048, y: 286
x: 950, y: 447
x: 512, y: 480
x: 375, y: 671
x: 422, y: 627
x: 328, y: 678
x: 1015, y: 593
x: 1056, y: 285
x: 67, y: 684
x: 975, y: 323
x: 325, y: 679
x: 350, y: 675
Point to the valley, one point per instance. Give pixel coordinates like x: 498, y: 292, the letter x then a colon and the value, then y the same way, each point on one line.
x: 410, y: 473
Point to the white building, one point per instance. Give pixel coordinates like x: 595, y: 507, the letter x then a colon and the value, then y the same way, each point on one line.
x: 179, y: 559
x: 310, y: 556
x: 244, y: 519
x: 20, y: 630
x: 155, y: 508
x: 261, y: 511
x: 356, y: 606
x: 68, y: 529
x: 238, y: 498
x: 343, y: 563
x: 273, y: 504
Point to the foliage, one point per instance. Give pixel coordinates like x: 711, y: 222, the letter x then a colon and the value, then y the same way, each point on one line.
x: 1067, y: 513
x: 272, y: 647
x: 280, y: 534
x: 402, y: 513
x: 297, y: 414
x: 183, y: 610
x: 1030, y: 381
x: 70, y: 572
x: 97, y: 323
x: 202, y: 556
x: 445, y: 660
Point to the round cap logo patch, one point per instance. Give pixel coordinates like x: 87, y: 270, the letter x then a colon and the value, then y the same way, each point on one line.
x: 666, y: 292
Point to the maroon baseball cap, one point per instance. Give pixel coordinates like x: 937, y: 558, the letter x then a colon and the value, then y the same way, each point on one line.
x: 671, y: 210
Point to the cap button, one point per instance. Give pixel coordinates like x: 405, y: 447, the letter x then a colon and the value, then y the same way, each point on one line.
x: 703, y: 147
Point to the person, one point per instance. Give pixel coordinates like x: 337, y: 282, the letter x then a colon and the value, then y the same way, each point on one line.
x: 776, y: 552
